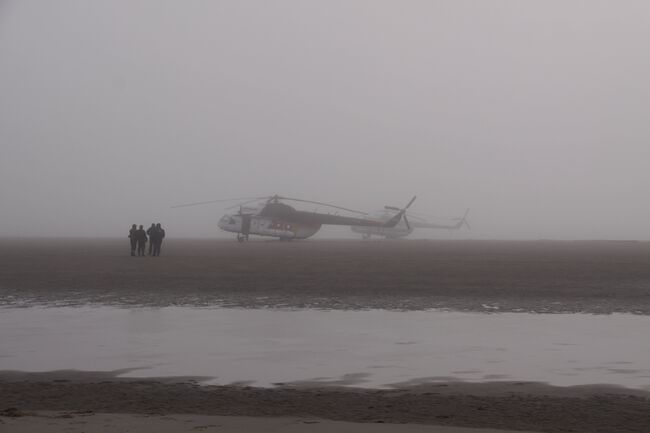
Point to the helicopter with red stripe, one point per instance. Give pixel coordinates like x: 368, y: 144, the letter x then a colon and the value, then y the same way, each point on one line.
x: 406, y: 225
x: 275, y: 218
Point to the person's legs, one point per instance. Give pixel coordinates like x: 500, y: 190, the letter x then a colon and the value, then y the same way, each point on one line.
x: 133, y: 246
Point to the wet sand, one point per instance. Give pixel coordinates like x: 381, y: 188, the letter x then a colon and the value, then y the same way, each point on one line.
x: 535, y: 276
x: 553, y: 277
x: 506, y: 405
x: 70, y: 421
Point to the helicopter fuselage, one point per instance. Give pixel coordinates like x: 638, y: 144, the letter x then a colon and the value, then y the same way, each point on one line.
x: 404, y: 228
x: 268, y: 226
x: 399, y: 231
x: 277, y: 219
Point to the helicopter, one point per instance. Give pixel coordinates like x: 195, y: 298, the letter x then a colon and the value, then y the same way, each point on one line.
x: 404, y: 226
x: 274, y: 218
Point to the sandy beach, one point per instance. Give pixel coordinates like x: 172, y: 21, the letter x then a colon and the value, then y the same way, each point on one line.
x: 60, y: 422
x: 506, y: 406
x: 548, y: 277
x: 537, y: 276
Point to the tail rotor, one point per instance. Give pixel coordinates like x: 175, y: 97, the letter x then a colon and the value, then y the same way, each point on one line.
x: 462, y: 222
x: 401, y: 213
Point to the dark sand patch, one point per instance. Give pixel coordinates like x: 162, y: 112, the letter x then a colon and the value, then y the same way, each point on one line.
x: 488, y: 276
x: 65, y: 422
x: 502, y: 405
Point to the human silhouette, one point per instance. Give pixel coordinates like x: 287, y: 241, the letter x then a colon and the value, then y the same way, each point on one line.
x: 157, y: 236
x: 150, y: 231
x: 141, y: 237
x: 132, y: 239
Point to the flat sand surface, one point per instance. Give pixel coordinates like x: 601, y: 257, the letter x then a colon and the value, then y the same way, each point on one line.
x: 550, y: 277
x: 535, y: 276
x: 60, y: 422
x: 505, y: 406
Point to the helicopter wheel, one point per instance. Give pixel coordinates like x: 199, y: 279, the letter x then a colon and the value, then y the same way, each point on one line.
x: 241, y: 238
x: 366, y: 236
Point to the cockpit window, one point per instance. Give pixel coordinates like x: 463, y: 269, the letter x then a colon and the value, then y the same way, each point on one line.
x: 231, y: 221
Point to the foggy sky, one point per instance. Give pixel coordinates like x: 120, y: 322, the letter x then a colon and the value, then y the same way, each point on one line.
x: 536, y: 114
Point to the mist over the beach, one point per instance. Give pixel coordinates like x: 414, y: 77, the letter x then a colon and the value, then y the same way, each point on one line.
x: 534, y: 114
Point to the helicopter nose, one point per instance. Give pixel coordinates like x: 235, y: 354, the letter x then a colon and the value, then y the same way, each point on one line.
x: 223, y: 222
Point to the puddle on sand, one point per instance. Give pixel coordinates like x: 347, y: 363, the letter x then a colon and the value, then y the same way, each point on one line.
x: 361, y: 348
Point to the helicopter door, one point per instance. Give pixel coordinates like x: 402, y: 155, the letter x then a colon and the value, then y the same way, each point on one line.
x: 245, y: 224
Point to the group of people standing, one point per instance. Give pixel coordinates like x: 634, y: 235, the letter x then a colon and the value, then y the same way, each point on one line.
x: 139, y: 237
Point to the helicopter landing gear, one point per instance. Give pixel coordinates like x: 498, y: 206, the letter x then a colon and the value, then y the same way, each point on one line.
x: 241, y: 238
x: 366, y: 236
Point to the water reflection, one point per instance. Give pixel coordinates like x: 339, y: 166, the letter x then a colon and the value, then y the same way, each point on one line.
x: 361, y: 348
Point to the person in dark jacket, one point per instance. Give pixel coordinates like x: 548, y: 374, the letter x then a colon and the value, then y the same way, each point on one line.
x: 141, y: 237
x: 132, y: 239
x: 150, y: 231
x: 157, y: 237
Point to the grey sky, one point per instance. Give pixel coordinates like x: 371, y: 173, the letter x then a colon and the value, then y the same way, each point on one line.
x: 536, y: 114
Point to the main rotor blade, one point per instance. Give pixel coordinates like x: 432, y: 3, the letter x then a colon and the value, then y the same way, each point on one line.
x: 320, y: 203
x: 406, y: 220
x: 198, y: 203
x: 416, y: 218
x: 425, y: 215
x: 410, y: 203
x: 243, y: 203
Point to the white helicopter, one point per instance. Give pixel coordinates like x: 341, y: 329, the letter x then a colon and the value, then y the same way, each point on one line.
x: 277, y: 219
x: 404, y: 227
